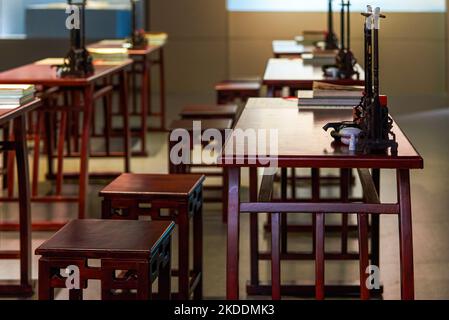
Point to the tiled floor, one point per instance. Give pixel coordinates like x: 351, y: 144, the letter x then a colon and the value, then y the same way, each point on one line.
x: 430, y: 189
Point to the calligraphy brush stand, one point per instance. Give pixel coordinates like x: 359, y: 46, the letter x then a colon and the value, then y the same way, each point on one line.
x: 345, y: 60
x: 78, y: 62
x: 331, y: 42
x: 376, y: 124
x: 371, y: 116
x: 138, y: 39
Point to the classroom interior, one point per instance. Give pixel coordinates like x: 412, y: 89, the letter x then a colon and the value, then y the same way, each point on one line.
x: 205, y: 45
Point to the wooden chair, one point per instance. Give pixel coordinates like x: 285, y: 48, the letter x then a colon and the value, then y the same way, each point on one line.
x: 133, y: 255
x: 131, y: 196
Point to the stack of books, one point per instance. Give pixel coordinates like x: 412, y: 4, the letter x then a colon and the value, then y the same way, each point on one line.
x: 155, y: 39
x: 14, y: 94
x: 326, y: 94
x: 109, y: 54
x: 320, y: 57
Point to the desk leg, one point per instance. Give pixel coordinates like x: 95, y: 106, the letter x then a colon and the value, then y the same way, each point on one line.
x: 319, y: 256
x: 85, y: 151
x: 254, y: 229
x: 124, y: 104
x: 284, y: 229
x: 232, y: 276
x: 162, y: 86
x: 24, y: 202
x: 275, y: 257
x: 375, y: 225
x: 144, y: 100
x: 405, y: 234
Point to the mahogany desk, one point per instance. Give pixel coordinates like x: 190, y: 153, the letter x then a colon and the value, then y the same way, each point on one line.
x: 302, y: 143
x: 41, y: 73
x: 283, y: 48
x: 293, y: 73
x: 296, y: 75
x: 142, y: 65
x: 19, y: 146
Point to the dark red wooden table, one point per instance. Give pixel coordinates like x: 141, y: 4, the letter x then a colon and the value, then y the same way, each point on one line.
x: 143, y: 62
x: 296, y: 75
x: 302, y: 143
x: 19, y: 146
x: 41, y: 73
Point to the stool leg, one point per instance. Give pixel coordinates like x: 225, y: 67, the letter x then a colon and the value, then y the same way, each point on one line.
x: 76, y: 295
x: 106, y: 209
x: 183, y: 254
x: 144, y: 281
x: 198, y: 251
x: 363, y: 254
x: 164, y: 281
x: 319, y: 256
x: 46, y: 292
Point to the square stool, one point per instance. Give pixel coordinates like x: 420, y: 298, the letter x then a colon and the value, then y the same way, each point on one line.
x: 131, y: 196
x: 133, y: 255
x: 229, y: 91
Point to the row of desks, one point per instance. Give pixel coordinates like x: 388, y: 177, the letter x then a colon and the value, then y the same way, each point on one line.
x: 83, y: 92
x: 302, y: 143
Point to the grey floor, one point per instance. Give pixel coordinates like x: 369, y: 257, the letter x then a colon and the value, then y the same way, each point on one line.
x: 425, y: 120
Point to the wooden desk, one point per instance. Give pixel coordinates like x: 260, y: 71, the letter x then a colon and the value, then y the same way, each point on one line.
x: 42, y: 73
x: 302, y: 143
x: 293, y: 73
x: 19, y: 146
x: 143, y: 63
x: 282, y: 48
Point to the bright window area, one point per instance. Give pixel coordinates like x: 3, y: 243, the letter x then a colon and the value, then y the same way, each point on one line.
x: 321, y: 5
x: 46, y: 18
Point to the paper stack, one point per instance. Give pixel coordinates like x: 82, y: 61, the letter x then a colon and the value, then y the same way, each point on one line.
x: 109, y: 54
x: 320, y: 57
x: 15, y: 94
x: 327, y: 94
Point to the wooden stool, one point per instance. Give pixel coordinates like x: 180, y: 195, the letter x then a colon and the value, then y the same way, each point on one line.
x: 141, y: 248
x: 203, y: 112
x: 133, y: 195
x: 219, y: 124
x: 229, y: 91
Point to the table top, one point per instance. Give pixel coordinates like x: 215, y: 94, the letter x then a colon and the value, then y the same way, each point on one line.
x: 302, y: 142
x: 175, y: 185
x: 107, y: 239
x: 290, y: 47
x: 293, y: 72
x: 10, y: 112
x: 43, y: 73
